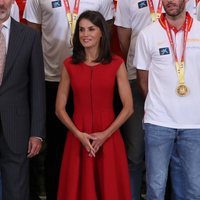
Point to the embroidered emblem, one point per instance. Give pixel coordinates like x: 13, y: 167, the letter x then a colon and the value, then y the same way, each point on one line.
x: 142, y: 4
x: 164, y: 51
x: 56, y: 4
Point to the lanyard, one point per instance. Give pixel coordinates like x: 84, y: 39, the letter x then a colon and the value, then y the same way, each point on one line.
x: 180, y: 66
x: 115, y: 4
x: 155, y: 15
x: 72, y: 17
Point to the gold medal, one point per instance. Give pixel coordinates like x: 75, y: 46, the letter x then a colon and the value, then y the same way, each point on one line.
x: 153, y: 17
x: 155, y: 14
x: 158, y: 15
x: 182, y: 90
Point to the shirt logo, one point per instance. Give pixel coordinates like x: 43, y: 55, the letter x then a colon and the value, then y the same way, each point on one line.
x: 164, y: 51
x: 56, y: 4
x: 142, y: 4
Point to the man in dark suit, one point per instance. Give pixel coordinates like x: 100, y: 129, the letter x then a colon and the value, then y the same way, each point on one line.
x: 22, y: 102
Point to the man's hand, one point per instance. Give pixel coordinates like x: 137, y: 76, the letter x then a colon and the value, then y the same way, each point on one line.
x: 34, y: 146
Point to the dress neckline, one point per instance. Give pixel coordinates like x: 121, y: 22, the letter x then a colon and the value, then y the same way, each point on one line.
x: 92, y: 66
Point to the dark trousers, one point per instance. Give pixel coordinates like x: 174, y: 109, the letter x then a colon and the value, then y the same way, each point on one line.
x: 133, y: 136
x: 36, y: 176
x: 55, y: 140
x: 14, y: 172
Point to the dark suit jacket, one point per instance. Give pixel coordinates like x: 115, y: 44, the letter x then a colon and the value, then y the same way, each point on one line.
x: 22, y: 93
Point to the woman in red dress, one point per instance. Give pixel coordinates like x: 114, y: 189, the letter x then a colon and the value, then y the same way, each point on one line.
x: 94, y: 165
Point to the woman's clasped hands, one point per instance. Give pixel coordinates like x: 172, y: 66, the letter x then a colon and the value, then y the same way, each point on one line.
x: 93, y: 142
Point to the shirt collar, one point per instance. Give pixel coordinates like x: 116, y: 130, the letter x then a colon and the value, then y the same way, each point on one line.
x: 162, y: 22
x: 7, y: 23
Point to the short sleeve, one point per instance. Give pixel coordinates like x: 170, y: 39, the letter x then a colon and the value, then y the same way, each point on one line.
x: 142, y: 57
x: 117, y: 62
x: 68, y: 64
x: 32, y: 11
x: 107, y: 9
x: 122, y: 17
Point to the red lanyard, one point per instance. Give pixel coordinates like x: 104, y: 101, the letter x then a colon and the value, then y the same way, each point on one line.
x: 155, y: 15
x: 182, y: 89
x: 72, y: 17
x: 169, y: 34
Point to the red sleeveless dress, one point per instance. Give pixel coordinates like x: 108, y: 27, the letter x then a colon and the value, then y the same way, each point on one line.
x: 104, y: 177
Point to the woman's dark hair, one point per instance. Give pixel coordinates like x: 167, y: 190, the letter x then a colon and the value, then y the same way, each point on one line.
x: 104, y: 49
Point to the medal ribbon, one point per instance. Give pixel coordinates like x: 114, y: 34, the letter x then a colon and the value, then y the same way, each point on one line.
x: 115, y: 4
x: 72, y: 17
x: 155, y: 15
x: 180, y: 66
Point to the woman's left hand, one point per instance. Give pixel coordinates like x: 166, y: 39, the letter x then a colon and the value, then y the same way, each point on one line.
x: 100, y: 138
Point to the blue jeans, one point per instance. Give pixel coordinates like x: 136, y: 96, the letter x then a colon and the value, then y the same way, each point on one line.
x: 176, y: 174
x: 160, y: 144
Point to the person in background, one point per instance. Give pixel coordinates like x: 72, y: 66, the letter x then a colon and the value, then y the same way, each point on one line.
x: 22, y: 102
x: 21, y: 4
x: 14, y: 13
x: 165, y: 52
x: 115, y: 47
x: 53, y: 19
x: 198, y: 11
x: 131, y: 18
x: 94, y: 162
x: 191, y: 7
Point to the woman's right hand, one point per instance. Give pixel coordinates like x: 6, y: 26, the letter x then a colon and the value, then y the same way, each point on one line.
x: 85, y: 140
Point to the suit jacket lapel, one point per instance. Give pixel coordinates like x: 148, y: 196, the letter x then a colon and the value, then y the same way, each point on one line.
x: 15, y: 41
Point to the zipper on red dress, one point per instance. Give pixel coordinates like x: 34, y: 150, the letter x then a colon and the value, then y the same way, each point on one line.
x: 91, y: 99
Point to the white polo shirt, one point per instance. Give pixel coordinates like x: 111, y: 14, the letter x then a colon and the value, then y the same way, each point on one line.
x: 51, y: 14
x: 135, y: 14
x: 153, y: 53
x: 198, y: 11
x: 191, y: 7
x: 14, y: 12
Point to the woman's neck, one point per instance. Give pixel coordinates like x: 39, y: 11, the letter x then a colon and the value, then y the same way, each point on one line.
x: 91, y: 55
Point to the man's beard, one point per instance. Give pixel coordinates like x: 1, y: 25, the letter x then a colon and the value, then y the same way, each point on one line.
x: 178, y: 10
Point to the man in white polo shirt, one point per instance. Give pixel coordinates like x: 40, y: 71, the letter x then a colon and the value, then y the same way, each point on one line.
x: 131, y: 17
x: 52, y: 19
x: 167, y: 60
